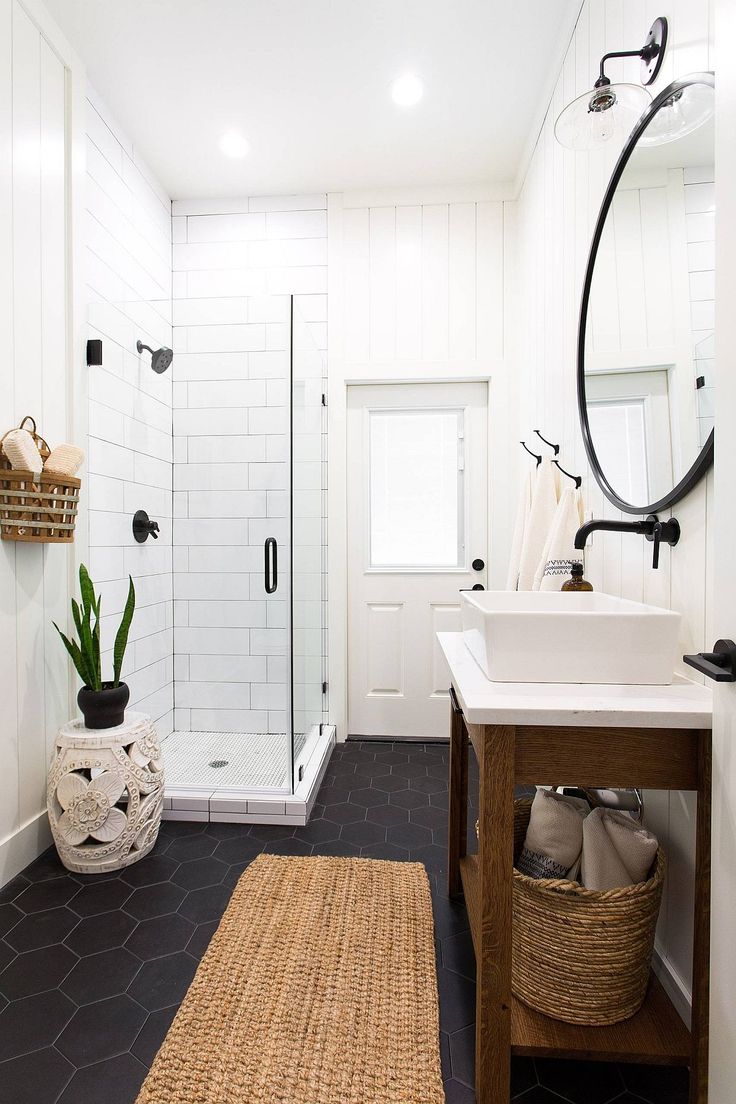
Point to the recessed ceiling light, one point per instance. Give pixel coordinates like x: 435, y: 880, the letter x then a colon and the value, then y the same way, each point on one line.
x: 233, y: 144
x: 407, y: 90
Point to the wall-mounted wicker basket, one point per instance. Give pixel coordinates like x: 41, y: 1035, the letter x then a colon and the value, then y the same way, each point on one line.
x: 39, y: 509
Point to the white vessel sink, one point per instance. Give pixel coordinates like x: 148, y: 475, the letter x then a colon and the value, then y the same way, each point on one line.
x: 569, y: 637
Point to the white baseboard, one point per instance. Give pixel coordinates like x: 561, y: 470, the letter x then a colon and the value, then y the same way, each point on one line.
x: 25, y: 845
x: 673, y: 984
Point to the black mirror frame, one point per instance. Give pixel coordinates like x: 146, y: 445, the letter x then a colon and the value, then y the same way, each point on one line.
x: 704, y: 460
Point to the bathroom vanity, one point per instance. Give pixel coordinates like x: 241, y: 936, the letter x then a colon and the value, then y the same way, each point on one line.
x: 654, y: 737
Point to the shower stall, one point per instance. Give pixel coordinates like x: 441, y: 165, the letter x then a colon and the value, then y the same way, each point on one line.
x: 251, y: 739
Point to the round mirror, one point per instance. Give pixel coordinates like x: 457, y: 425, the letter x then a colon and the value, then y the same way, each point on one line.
x: 646, y: 391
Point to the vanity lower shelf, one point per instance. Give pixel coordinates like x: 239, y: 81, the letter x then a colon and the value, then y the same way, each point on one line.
x: 655, y: 1035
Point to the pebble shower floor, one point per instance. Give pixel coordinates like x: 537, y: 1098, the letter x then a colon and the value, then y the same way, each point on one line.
x: 249, y: 760
x: 92, y: 969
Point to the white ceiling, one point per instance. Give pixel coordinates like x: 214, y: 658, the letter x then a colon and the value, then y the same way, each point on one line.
x: 307, y: 83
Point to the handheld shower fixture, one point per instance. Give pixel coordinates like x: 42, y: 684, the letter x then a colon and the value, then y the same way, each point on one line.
x: 160, y: 358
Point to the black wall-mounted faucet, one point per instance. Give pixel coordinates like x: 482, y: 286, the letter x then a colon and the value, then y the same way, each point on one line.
x: 651, y: 528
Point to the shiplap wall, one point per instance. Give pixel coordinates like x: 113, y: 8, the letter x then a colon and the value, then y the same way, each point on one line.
x: 34, y: 686
x: 423, y: 282
x: 127, y: 239
x: 556, y: 213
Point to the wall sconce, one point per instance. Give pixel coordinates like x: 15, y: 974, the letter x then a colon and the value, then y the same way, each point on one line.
x: 610, y: 110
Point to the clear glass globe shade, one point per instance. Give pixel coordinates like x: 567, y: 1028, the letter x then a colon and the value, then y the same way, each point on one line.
x: 587, y: 123
x: 685, y: 111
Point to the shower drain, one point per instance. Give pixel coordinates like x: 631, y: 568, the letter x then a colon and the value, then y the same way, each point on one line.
x: 219, y: 762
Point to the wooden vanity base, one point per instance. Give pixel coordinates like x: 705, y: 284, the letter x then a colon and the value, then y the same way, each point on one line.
x: 651, y: 758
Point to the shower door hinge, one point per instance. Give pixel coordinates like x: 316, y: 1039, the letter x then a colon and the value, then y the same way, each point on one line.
x: 301, y: 772
x: 324, y: 687
x: 324, y: 399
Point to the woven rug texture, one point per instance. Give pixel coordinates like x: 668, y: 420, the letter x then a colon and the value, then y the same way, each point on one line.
x: 318, y: 987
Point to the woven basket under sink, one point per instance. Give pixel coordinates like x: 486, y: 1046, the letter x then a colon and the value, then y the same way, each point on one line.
x: 581, y: 955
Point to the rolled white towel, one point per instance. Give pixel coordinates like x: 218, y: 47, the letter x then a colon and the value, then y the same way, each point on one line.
x: 64, y: 460
x: 617, y: 851
x: 22, y: 451
x: 554, y: 838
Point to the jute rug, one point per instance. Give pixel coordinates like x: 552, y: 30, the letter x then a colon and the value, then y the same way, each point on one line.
x: 318, y: 987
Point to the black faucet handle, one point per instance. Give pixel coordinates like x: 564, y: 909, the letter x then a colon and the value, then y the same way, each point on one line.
x: 667, y: 531
x: 144, y: 527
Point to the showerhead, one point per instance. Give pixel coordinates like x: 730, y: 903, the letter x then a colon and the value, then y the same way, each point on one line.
x: 160, y: 358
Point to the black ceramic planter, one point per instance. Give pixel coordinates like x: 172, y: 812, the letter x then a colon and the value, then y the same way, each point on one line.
x: 103, y: 708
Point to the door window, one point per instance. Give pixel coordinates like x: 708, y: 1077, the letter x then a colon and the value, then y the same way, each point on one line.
x: 416, y: 496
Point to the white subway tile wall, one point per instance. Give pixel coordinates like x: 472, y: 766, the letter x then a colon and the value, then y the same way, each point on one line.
x: 235, y: 264
x: 128, y: 267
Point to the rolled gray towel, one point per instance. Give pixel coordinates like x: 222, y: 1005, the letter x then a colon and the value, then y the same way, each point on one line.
x: 554, y: 838
x: 617, y: 851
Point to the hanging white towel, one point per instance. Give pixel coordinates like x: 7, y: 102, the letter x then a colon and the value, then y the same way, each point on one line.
x: 560, y: 552
x: 522, y: 517
x: 541, y: 516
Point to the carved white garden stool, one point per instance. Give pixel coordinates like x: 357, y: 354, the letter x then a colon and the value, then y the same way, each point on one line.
x: 105, y: 794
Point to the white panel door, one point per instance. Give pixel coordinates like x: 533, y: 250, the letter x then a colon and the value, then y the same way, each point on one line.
x: 417, y: 487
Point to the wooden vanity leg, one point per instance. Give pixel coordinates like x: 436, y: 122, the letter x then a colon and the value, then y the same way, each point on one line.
x: 701, y: 932
x: 458, y: 808
x: 493, y: 953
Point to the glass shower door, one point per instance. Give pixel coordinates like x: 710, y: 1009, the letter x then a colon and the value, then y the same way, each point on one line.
x: 308, y: 539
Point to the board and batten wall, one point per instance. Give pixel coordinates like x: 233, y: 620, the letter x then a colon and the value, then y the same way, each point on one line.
x: 127, y: 265
x: 37, y: 95
x: 556, y: 211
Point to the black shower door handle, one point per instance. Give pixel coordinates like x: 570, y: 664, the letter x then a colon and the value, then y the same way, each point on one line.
x: 270, y: 565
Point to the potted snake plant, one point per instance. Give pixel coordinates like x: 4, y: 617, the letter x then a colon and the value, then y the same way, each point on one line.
x: 102, y: 703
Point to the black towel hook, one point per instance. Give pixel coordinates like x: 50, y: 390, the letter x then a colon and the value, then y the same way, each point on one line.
x: 578, y: 479
x: 551, y: 445
x: 537, y: 458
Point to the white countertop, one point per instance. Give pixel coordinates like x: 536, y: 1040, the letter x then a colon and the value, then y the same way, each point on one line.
x: 683, y: 704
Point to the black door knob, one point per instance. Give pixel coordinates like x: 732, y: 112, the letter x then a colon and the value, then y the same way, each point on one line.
x: 478, y: 565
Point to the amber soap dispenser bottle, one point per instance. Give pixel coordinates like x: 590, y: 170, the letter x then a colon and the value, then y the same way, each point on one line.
x: 576, y: 580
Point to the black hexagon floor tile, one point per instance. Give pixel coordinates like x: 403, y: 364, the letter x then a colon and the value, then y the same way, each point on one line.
x: 97, y: 976
x: 200, y: 872
x: 13, y: 888
x: 35, y: 1078
x: 49, y: 894
x: 192, y: 847
x: 33, y: 1022
x: 101, y: 933
x: 155, y: 900
x: 115, y: 1081
x: 154, y: 868
x: 36, y: 971
x: 163, y: 981
x: 96, y: 897
x: 41, y: 929
x: 152, y: 1034
x: 101, y: 1030
x: 160, y: 935
x: 343, y: 813
x: 128, y: 942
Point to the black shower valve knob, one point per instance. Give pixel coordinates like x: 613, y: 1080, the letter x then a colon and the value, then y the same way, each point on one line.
x: 143, y: 527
